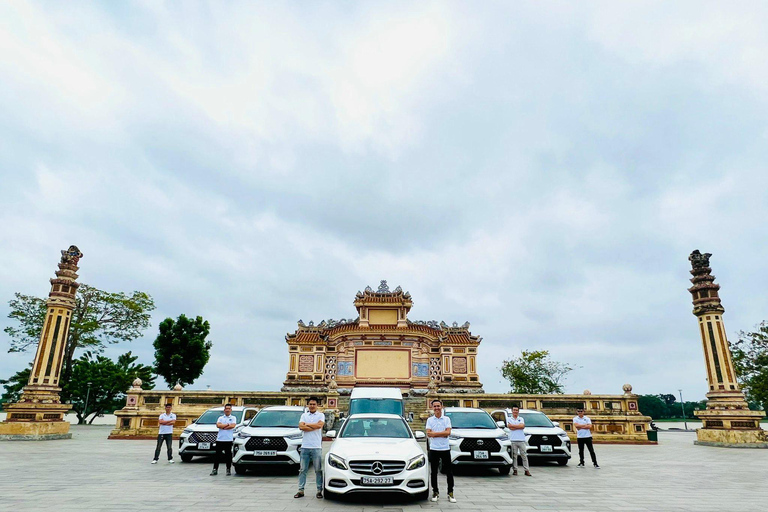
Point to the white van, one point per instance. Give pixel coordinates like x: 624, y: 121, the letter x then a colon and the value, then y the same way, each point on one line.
x: 376, y: 401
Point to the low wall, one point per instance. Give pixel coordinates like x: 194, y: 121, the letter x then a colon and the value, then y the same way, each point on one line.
x: 616, y: 417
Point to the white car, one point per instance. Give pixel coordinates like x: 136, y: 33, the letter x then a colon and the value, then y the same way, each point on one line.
x: 272, y: 437
x: 546, y: 440
x: 376, y: 453
x: 477, y: 440
x: 199, y: 438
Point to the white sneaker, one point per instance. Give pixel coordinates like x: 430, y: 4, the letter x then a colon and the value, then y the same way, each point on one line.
x: 154, y: 461
x: 434, y: 497
x: 451, y: 498
x: 170, y: 461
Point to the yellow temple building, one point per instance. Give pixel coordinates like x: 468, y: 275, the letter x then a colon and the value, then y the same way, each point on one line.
x: 382, y: 347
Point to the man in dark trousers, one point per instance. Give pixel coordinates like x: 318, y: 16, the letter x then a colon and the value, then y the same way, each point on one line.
x: 583, y: 426
x: 165, y: 433
x: 438, y: 431
x: 226, y: 423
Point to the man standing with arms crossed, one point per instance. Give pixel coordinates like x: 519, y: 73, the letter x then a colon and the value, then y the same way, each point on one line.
x: 516, y: 425
x: 165, y: 433
x: 311, y: 423
x: 583, y: 427
x: 226, y: 423
x: 438, y: 431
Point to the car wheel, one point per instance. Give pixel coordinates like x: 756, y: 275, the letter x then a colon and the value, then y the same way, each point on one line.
x: 186, y: 457
x: 562, y: 462
x: 505, y: 470
x: 240, y: 469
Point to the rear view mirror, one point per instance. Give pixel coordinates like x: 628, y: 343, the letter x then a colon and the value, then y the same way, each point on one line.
x: 331, y: 434
x: 556, y: 423
x: 420, y: 435
x: 500, y: 424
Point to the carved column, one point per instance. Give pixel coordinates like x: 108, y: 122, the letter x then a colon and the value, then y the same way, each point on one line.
x: 727, y: 420
x: 39, y: 413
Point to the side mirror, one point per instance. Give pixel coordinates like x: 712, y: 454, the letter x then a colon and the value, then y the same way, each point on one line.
x: 556, y: 423
x: 331, y: 434
x: 420, y: 435
x: 500, y: 424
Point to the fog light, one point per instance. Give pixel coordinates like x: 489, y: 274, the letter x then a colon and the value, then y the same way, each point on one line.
x: 335, y: 482
x: 415, y: 483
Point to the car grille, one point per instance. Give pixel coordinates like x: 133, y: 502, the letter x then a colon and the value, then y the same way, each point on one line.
x: 538, y: 440
x: 266, y: 443
x: 470, y: 445
x: 377, y: 467
x: 202, y: 437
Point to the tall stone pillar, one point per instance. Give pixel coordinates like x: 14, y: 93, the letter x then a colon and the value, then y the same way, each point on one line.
x: 39, y: 414
x: 727, y: 420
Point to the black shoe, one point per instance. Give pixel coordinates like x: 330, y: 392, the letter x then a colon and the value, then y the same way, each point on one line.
x: 299, y: 494
x: 597, y: 467
x: 319, y: 495
x: 229, y: 472
x: 581, y: 465
x: 214, y: 472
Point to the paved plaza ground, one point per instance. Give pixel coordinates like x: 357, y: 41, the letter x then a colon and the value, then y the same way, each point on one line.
x: 90, y: 472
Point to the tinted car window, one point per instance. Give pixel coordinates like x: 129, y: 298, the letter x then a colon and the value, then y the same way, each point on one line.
x: 210, y: 417
x: 471, y: 420
x: 375, y: 427
x: 267, y: 418
x: 536, y: 420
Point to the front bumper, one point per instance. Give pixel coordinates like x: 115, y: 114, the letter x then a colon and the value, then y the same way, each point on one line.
x: 291, y: 455
x: 342, y: 481
x: 558, y: 452
x: 187, y: 448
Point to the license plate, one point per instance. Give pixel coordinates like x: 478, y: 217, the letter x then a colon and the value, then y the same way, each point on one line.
x: 481, y: 455
x: 203, y: 446
x: 546, y: 448
x: 265, y: 453
x: 378, y: 480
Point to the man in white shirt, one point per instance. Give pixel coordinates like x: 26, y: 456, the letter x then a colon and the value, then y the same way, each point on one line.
x: 583, y: 426
x: 226, y: 424
x: 311, y: 424
x: 438, y: 432
x: 165, y: 433
x: 516, y: 425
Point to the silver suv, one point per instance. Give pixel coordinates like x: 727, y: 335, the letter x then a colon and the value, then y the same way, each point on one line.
x: 477, y: 440
x: 199, y: 438
x: 546, y: 440
x: 272, y: 437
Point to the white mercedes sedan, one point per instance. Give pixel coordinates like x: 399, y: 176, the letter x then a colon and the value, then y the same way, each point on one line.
x: 376, y: 453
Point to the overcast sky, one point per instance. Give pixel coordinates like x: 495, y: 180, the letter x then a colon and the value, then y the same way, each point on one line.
x: 539, y: 169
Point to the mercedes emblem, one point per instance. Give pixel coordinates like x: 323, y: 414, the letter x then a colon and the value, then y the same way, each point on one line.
x: 377, y: 467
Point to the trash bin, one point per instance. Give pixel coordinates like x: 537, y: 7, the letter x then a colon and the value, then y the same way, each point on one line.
x: 653, y: 435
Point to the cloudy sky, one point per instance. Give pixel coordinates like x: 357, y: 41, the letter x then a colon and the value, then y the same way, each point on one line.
x: 540, y: 169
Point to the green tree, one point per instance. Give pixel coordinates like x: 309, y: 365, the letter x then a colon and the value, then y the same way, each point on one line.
x: 99, y: 318
x: 534, y: 372
x: 14, y: 385
x: 750, y: 359
x: 108, y: 381
x: 181, y: 351
x: 653, y: 406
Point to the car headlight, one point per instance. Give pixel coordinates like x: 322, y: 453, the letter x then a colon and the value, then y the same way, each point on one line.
x: 242, y: 435
x: 416, y: 462
x: 454, y: 437
x: 295, y: 436
x: 187, y: 431
x: 337, y: 462
x: 562, y: 435
x: 502, y: 437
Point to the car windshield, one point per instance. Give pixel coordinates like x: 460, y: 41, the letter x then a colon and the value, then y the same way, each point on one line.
x: 479, y: 419
x: 210, y: 417
x: 376, y: 405
x: 375, y: 427
x: 533, y: 419
x: 268, y: 418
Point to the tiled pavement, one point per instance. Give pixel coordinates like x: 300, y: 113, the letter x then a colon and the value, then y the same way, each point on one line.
x: 91, y: 473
